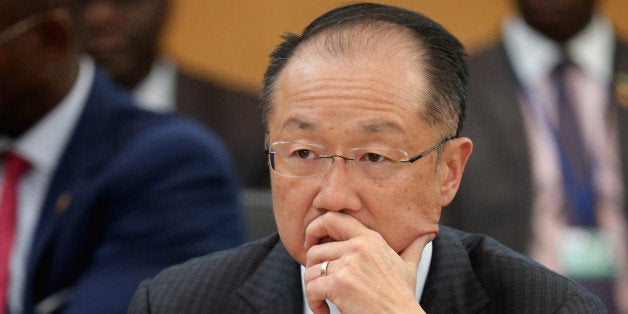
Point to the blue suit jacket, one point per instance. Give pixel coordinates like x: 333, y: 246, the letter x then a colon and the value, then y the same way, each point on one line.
x: 133, y: 193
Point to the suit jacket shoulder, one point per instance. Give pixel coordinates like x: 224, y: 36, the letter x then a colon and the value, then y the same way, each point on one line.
x: 473, y: 273
x: 139, y: 191
x: 258, y: 277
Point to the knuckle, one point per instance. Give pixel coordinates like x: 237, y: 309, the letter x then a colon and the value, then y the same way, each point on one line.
x: 310, y: 254
x: 351, y: 262
x: 343, y: 281
x: 311, y: 288
x: 376, y: 236
x: 358, y: 245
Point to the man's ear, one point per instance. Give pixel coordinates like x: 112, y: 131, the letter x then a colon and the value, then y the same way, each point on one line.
x: 454, y: 159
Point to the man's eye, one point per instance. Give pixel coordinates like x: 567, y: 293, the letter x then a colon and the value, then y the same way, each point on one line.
x: 373, y: 157
x: 305, y: 154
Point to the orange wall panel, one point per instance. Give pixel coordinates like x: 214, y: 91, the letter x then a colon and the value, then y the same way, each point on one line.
x: 231, y: 40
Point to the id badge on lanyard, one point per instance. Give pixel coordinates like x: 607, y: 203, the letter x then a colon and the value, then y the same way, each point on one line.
x: 587, y: 253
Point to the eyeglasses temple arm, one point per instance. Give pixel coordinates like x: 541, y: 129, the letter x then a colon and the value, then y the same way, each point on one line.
x: 429, y: 150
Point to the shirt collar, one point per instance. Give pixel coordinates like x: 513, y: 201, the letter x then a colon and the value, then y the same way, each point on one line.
x: 533, y: 55
x: 43, y: 144
x: 157, y: 90
x: 421, y: 277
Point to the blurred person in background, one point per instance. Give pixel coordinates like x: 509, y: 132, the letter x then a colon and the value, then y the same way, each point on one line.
x: 96, y: 193
x: 123, y: 36
x: 548, y: 177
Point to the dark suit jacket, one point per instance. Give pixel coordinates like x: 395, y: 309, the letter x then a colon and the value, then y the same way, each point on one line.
x: 133, y: 193
x: 234, y: 116
x: 468, y: 274
x: 495, y: 195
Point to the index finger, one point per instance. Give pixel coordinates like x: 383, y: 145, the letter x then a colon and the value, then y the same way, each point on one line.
x: 334, y: 225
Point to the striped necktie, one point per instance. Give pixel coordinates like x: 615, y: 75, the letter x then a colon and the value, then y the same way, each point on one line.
x: 576, y: 164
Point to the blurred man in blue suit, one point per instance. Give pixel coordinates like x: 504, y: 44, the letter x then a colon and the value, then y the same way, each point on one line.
x: 111, y: 194
x: 124, y: 38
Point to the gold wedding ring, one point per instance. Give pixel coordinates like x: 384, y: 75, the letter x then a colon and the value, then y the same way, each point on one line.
x: 324, y: 268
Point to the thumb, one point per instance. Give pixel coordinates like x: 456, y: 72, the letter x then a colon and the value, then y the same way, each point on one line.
x: 412, y: 253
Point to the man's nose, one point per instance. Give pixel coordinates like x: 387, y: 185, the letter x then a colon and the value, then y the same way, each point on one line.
x: 337, y: 192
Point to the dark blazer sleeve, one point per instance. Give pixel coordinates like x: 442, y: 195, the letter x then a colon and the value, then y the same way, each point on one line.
x: 167, y: 196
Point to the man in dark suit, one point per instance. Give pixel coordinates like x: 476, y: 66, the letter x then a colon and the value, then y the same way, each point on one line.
x: 123, y: 37
x: 112, y: 193
x: 363, y: 112
x: 513, y: 189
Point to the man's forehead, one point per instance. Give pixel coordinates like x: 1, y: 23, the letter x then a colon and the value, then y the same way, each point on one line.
x: 369, y: 126
x: 362, y: 56
x: 362, y: 48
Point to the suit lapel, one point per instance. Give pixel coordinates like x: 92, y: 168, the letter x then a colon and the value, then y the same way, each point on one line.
x: 451, y: 285
x: 501, y: 152
x: 518, y: 146
x: 511, y: 143
x: 84, y: 153
x: 507, y: 114
x: 275, y: 287
x: 621, y: 66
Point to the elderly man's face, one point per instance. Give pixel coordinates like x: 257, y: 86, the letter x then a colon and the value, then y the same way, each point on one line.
x: 369, y: 102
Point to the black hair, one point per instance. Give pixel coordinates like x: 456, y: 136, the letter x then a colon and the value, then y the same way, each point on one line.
x: 443, y: 56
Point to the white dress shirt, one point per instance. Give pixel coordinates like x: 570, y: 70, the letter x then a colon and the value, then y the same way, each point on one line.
x: 421, y: 277
x: 42, y: 146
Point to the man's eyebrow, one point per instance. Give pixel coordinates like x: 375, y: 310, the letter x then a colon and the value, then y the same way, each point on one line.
x: 381, y: 127
x: 297, y: 123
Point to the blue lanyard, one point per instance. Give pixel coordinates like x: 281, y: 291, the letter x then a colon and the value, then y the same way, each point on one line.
x: 579, y: 192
